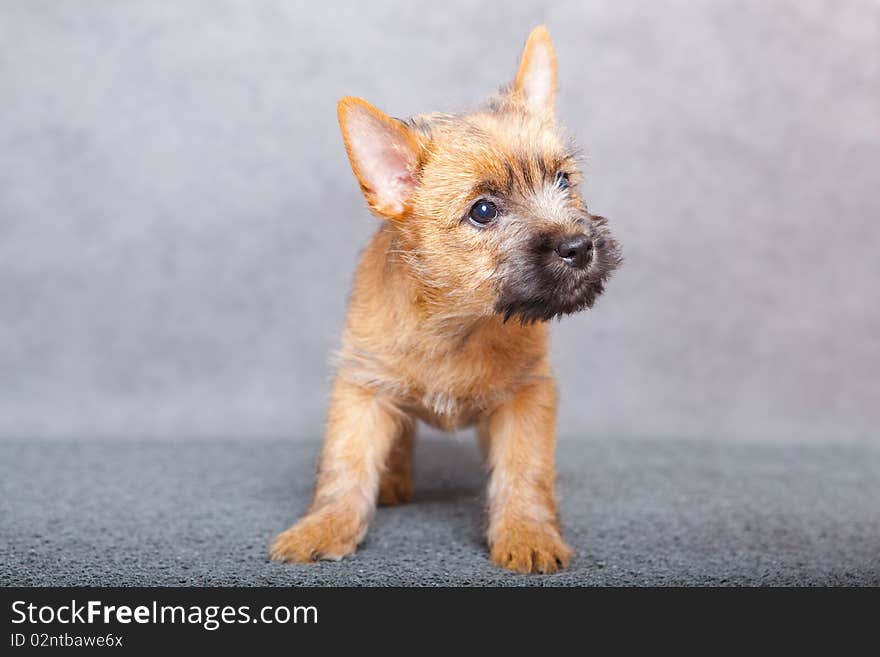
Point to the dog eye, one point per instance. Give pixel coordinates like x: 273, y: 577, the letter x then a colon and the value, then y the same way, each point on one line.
x: 483, y: 211
x: 562, y: 181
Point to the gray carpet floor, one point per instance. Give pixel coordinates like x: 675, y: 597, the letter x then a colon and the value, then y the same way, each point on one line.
x: 637, y: 513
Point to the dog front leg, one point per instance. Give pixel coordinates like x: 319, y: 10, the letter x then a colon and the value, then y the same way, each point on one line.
x: 524, y: 532
x: 361, y: 429
x: 396, y: 484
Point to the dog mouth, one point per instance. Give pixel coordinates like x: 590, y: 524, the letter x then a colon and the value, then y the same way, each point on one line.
x: 547, y: 288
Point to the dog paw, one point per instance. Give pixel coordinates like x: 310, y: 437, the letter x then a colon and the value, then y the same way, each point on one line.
x: 395, y: 489
x: 316, y: 537
x: 530, y: 548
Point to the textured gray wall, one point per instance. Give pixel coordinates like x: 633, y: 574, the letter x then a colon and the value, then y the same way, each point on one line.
x: 179, y: 225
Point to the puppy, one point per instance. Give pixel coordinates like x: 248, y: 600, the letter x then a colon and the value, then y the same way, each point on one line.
x: 485, y: 238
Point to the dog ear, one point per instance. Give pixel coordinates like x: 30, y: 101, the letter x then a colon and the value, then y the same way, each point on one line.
x: 384, y: 155
x: 535, y: 82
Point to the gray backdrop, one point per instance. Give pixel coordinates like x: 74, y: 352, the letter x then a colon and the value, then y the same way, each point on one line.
x: 179, y: 225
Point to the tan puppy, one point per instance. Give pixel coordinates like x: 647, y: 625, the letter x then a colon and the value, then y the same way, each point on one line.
x: 485, y: 239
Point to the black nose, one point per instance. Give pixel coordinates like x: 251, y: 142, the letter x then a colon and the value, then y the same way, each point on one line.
x: 576, y: 250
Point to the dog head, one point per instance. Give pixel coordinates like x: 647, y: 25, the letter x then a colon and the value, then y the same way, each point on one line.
x: 486, y: 206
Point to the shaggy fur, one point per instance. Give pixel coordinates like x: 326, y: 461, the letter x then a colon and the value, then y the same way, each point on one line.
x: 448, y: 315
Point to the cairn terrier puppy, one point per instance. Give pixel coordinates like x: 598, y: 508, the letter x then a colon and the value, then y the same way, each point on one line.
x: 485, y: 238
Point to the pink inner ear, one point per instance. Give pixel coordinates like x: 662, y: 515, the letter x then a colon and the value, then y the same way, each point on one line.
x: 397, y: 164
x: 538, y: 81
x: 404, y: 183
x: 385, y: 161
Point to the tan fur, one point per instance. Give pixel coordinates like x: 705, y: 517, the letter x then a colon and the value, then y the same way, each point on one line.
x: 396, y: 484
x: 424, y: 340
